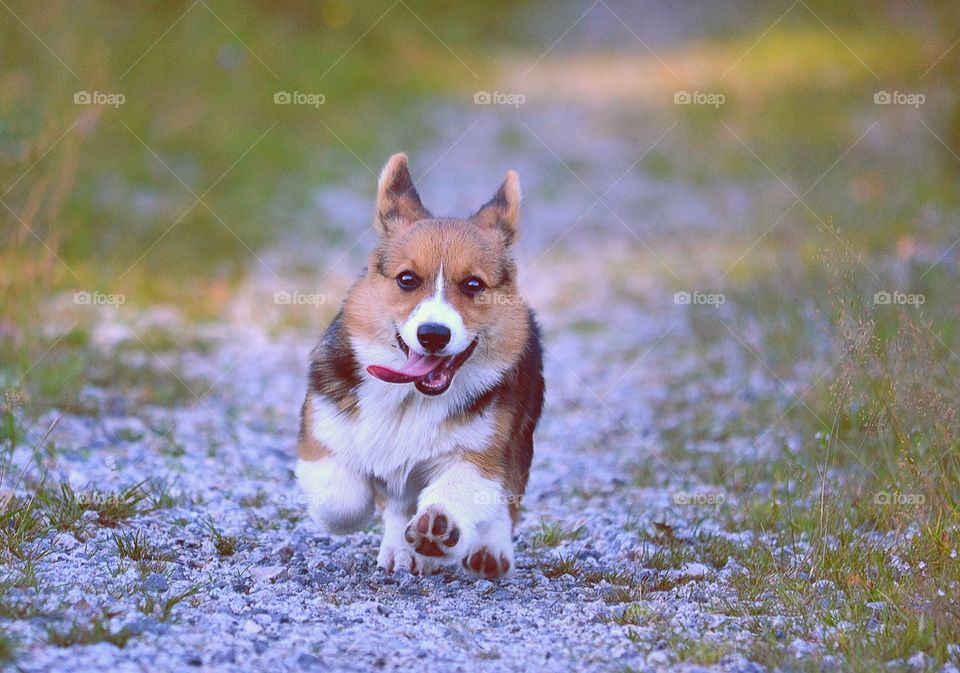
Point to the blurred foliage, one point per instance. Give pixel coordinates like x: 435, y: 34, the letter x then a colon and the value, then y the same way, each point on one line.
x: 198, y: 114
x: 174, y: 190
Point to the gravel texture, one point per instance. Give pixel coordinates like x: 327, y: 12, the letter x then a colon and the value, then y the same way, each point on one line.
x: 291, y: 598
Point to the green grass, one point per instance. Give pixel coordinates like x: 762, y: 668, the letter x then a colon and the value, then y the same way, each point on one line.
x: 701, y: 652
x: 114, y: 508
x: 8, y: 648
x: 35, y: 509
x: 162, y: 609
x: 135, y: 545
x: 870, y: 478
x: 563, y: 565
x: 226, y: 545
x: 63, y: 510
x: 96, y: 631
x: 99, y: 185
x: 552, y: 534
x: 633, y: 615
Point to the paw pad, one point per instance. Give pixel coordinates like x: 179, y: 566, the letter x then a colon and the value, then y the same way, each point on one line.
x: 432, y: 532
x: 486, y: 563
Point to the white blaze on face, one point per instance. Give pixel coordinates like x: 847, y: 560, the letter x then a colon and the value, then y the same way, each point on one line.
x: 436, y: 309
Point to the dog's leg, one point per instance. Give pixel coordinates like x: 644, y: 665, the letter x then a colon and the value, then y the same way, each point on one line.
x: 461, y: 515
x: 492, y: 555
x: 395, y: 554
x: 338, y: 499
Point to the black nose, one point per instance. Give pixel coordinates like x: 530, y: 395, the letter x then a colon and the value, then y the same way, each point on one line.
x: 433, y: 336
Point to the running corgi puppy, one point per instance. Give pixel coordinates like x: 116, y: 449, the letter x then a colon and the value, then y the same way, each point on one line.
x: 424, y: 392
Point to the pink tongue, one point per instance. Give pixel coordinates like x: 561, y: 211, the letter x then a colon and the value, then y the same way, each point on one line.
x: 417, y: 366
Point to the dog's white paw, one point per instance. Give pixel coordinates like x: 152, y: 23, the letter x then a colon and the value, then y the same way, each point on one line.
x: 395, y: 559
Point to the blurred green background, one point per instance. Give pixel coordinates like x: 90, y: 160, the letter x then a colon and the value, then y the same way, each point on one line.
x: 174, y: 195
x: 103, y: 183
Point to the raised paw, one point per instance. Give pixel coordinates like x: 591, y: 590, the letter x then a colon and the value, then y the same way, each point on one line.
x: 432, y: 532
x: 488, y: 563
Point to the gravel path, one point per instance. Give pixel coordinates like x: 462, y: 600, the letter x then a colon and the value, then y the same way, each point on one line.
x: 286, y: 597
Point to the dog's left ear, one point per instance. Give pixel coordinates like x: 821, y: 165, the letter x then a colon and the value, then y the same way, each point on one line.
x: 502, y: 212
x: 398, y: 203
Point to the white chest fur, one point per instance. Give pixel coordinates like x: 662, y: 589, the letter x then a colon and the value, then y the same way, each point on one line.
x: 397, y: 427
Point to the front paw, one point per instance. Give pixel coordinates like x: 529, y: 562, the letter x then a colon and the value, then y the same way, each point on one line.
x: 433, y: 532
x: 393, y: 559
x: 489, y: 562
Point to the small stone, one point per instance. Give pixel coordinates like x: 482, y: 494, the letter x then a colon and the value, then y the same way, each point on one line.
x: 483, y: 585
x: 658, y: 658
x: 155, y: 582
x: 67, y: 541
x: 308, y: 661
x: 225, y: 657
x: 140, y: 626
x: 695, y: 570
x: 267, y: 574
x: 251, y: 626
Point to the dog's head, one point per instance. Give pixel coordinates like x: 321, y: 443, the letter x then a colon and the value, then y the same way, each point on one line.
x: 439, y: 294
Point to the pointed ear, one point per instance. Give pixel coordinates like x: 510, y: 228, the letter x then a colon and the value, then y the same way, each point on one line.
x: 398, y: 203
x: 502, y: 212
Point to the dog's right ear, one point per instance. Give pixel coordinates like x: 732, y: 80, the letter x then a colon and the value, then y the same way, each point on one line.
x: 398, y: 204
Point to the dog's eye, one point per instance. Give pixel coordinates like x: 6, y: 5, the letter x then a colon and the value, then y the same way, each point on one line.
x: 472, y: 286
x: 407, y: 280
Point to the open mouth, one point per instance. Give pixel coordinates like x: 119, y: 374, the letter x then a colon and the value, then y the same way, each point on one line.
x: 432, y: 374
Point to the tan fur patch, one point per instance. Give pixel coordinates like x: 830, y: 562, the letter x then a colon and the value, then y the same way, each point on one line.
x: 308, y: 448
